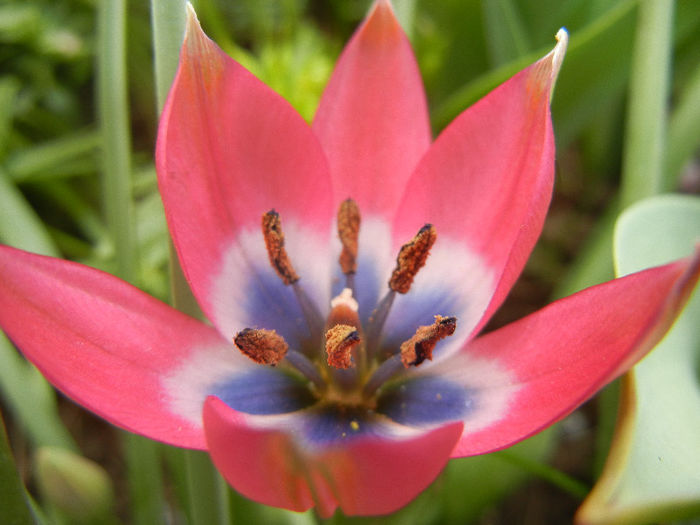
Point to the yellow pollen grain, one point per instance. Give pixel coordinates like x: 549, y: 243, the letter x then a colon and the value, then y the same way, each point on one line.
x: 354, y: 425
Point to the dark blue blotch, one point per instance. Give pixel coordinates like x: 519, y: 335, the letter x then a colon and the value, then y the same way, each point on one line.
x: 425, y: 400
x: 328, y: 424
x: 272, y: 305
x: 265, y: 391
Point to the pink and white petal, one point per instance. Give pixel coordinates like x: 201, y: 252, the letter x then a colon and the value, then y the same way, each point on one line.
x: 264, y: 460
x: 487, y: 180
x: 373, y: 120
x: 230, y: 149
x: 105, y: 344
x: 558, y: 357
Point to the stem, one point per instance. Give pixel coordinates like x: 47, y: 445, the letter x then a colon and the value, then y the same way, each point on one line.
x: 648, y: 96
x: 113, y: 108
x: 168, y: 24
x: 207, y: 493
x: 142, y: 456
x: 208, y: 499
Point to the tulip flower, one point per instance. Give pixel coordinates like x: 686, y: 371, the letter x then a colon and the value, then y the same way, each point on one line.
x: 347, y: 268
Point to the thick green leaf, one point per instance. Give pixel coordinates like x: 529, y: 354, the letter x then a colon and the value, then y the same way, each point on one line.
x: 653, y: 470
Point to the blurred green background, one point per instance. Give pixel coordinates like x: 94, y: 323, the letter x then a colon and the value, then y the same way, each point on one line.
x: 67, y: 126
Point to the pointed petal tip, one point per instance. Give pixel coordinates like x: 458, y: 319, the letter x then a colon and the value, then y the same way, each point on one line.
x: 381, y: 22
x: 559, y: 52
x: 192, y: 24
x: 546, y: 70
x: 196, y: 42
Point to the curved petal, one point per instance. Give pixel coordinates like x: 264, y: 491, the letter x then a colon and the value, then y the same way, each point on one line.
x: 373, y: 120
x: 487, y: 180
x: 230, y: 149
x: 105, y: 344
x: 561, y: 355
x: 363, y: 476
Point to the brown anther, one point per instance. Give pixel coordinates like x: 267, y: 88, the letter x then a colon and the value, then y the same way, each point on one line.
x: 348, y: 231
x: 420, y: 347
x: 265, y: 347
x: 411, y: 258
x: 340, y: 340
x: 274, y: 242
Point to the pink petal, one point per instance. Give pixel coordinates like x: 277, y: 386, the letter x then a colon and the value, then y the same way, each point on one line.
x: 487, y: 180
x: 363, y: 476
x: 230, y: 149
x: 373, y: 119
x: 561, y: 355
x: 102, y: 342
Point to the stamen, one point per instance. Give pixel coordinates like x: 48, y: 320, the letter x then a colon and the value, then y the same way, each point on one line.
x: 274, y: 241
x: 420, y: 347
x: 265, y: 347
x: 443, y: 327
x: 411, y: 258
x: 308, y: 369
x: 384, y: 372
x: 376, y: 322
x: 349, y: 231
x: 340, y: 341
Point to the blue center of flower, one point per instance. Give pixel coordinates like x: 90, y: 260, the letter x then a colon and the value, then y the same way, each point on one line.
x: 340, y: 374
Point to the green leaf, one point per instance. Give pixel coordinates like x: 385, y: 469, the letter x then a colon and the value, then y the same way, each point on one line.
x: 683, y: 131
x: 14, y: 506
x: 653, y: 470
x: 31, y: 399
x: 505, y: 32
x: 20, y: 226
x: 648, y: 93
x: 78, y: 488
x: 50, y: 158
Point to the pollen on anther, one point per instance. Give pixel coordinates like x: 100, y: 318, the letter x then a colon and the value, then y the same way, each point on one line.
x: 274, y: 242
x: 411, y: 258
x: 340, y: 341
x: 348, y: 232
x: 420, y: 347
x: 265, y: 347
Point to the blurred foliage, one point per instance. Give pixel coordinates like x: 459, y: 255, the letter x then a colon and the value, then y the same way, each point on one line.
x: 51, y: 147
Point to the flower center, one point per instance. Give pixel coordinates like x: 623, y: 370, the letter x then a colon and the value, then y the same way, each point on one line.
x: 343, y: 360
